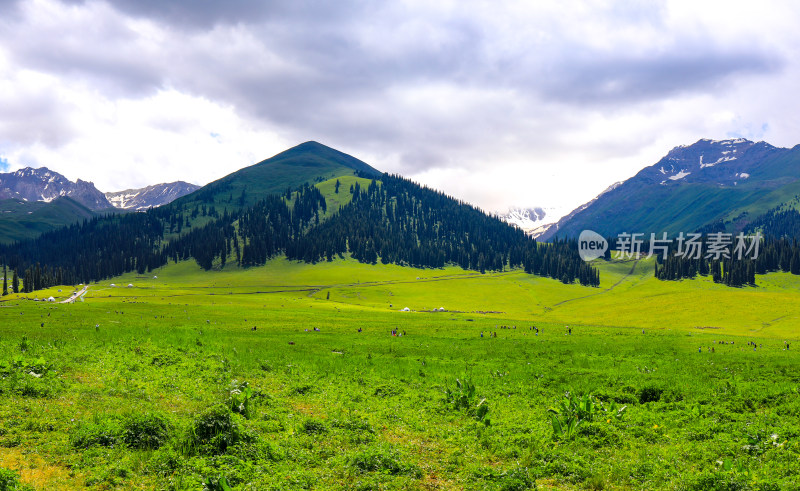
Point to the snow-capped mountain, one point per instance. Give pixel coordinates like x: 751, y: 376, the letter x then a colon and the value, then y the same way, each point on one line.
x: 721, y: 162
x: 150, y: 196
x: 42, y: 184
x: 691, y: 187
x: 551, y: 228
x: 533, y: 221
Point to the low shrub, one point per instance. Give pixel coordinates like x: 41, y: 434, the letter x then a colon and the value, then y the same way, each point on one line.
x: 672, y: 395
x: 302, y: 389
x: 314, y: 427
x: 164, y: 462
x: 102, y: 432
x: 516, y: 479
x: 213, y: 432
x: 145, y: 431
x: 719, y: 482
x: 9, y: 480
x: 650, y: 393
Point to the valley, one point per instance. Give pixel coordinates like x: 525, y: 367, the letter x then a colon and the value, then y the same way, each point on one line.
x: 379, y: 246
x: 310, y: 323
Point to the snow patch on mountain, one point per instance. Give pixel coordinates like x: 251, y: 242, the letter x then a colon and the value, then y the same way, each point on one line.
x: 718, y: 161
x: 533, y: 221
x: 150, y: 196
x: 679, y: 175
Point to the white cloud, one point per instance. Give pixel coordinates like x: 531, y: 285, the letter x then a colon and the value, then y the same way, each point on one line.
x: 528, y: 103
x: 166, y: 137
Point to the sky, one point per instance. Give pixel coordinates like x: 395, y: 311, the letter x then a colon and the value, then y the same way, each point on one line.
x: 510, y: 103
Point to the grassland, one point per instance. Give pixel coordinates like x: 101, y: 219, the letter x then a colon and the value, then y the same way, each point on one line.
x: 219, y: 379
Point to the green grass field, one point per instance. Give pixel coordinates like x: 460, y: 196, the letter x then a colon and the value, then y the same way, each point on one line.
x: 166, y: 384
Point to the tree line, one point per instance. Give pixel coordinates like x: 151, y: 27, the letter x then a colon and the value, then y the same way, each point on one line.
x: 392, y: 221
x: 775, y: 254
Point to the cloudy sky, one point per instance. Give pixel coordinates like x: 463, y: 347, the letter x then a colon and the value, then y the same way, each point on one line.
x: 529, y: 103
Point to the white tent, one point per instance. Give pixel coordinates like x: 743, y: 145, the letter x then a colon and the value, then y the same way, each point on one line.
x: 130, y: 285
x: 51, y: 299
x: 113, y: 285
x: 405, y: 309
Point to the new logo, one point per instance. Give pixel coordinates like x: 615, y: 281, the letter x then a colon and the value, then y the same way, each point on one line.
x: 591, y: 245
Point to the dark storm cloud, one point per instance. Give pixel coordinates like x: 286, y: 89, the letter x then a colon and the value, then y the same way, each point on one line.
x: 8, y: 6
x: 204, y: 14
x: 622, y: 79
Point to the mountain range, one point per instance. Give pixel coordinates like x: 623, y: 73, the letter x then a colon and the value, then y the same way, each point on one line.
x: 42, y: 184
x: 310, y: 203
x: 33, y: 201
x: 45, y: 185
x: 313, y: 203
x: 711, y: 184
x: 150, y: 196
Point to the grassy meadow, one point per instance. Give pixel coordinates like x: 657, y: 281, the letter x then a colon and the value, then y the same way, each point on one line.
x: 288, y: 377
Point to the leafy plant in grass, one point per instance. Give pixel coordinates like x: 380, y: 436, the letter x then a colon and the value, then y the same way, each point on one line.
x: 383, y: 458
x: 242, y: 399
x: 572, y: 411
x: 26, y: 377
x: 25, y: 345
x: 216, y: 483
x: 145, y: 431
x: 36, y: 368
x: 462, y: 398
x: 9, y: 481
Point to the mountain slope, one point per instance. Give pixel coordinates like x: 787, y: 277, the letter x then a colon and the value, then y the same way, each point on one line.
x: 21, y: 220
x: 389, y: 219
x: 150, y: 196
x: 42, y: 184
x: 731, y: 181
x: 306, y: 163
